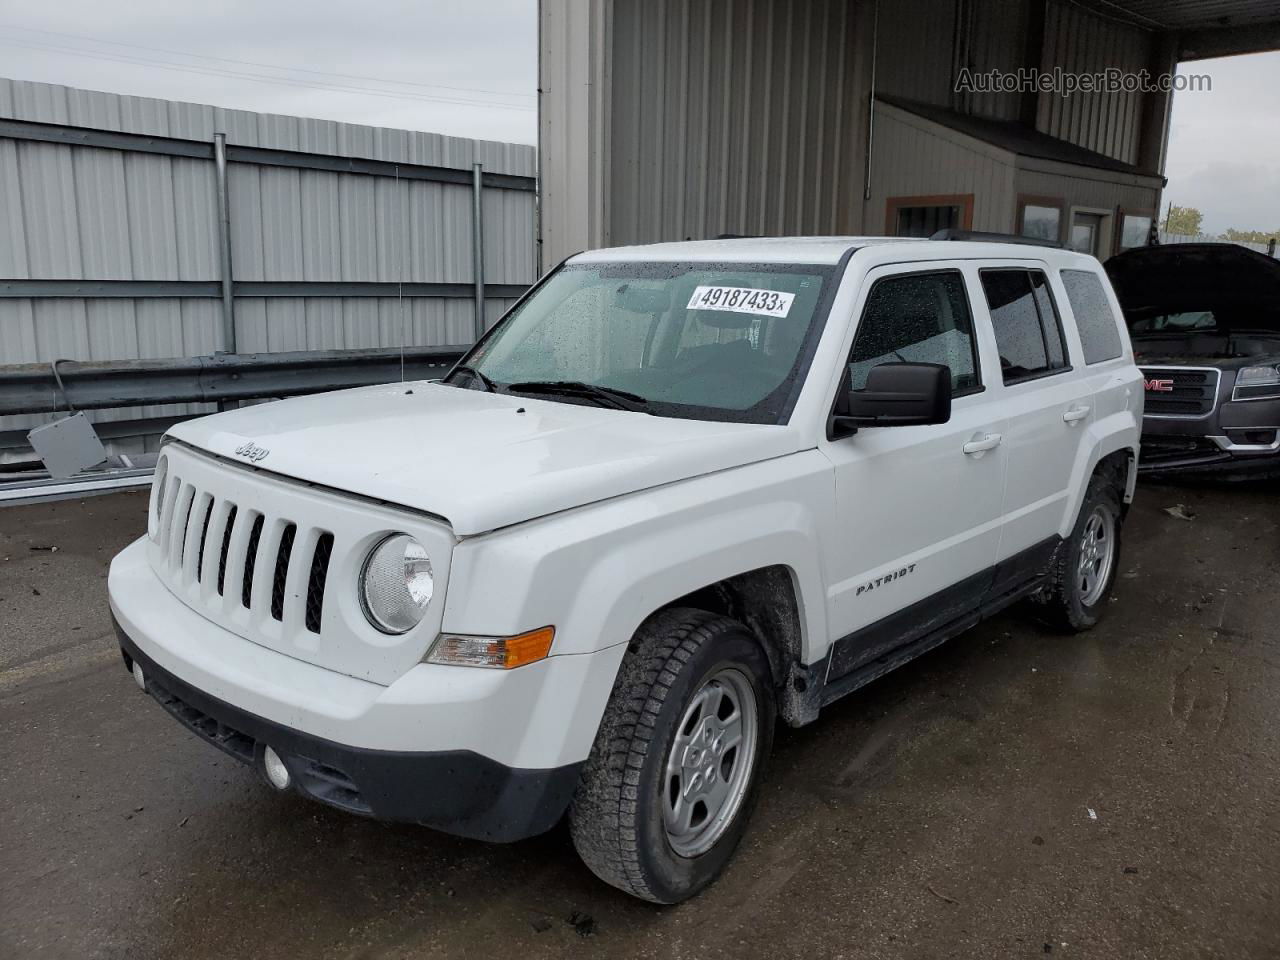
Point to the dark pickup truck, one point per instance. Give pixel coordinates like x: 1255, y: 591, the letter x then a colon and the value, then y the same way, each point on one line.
x: 1205, y: 323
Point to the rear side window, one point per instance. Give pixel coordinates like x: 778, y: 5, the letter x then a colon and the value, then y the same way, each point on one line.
x: 1028, y: 332
x: 1094, y: 319
x: 917, y: 318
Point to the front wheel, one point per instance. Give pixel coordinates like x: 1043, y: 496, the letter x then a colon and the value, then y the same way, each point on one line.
x: 1085, y: 568
x: 670, y: 783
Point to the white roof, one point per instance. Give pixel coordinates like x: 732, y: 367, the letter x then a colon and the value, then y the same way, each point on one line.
x: 830, y: 250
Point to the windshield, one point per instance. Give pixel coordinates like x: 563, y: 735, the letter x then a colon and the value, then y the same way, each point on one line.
x: 1171, y: 322
x: 696, y: 340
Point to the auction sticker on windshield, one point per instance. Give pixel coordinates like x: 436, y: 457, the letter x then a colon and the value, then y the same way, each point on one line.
x: 769, y: 303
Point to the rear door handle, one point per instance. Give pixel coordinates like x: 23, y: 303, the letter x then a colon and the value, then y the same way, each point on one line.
x: 982, y: 444
x: 1075, y: 414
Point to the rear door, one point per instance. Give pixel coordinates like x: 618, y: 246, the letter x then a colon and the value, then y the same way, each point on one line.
x: 917, y: 507
x: 1109, y: 373
x: 1048, y: 407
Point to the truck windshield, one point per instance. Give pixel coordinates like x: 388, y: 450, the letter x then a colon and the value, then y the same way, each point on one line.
x: 706, y: 341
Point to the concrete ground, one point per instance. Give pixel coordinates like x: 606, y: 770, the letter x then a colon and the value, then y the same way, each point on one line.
x: 946, y: 811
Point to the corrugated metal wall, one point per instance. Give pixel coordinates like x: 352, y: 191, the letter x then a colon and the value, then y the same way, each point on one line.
x: 736, y: 116
x: 1046, y: 179
x: 915, y: 157
x: 667, y: 119
x: 573, y: 92
x: 1078, y: 41
x: 70, y: 212
x: 925, y: 28
x: 997, y: 41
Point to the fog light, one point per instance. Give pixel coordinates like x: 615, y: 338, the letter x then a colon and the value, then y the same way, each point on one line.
x: 138, y: 677
x: 277, y: 772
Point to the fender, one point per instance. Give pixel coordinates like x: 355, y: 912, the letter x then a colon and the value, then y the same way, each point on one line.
x: 1119, y: 431
x: 597, y: 572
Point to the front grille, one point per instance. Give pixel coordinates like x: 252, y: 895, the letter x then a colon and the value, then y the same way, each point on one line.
x: 202, y: 535
x: 251, y: 562
x: 316, y: 582
x: 1181, y: 392
x: 280, y: 579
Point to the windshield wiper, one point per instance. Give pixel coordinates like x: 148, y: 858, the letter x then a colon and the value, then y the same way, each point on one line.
x: 489, y: 385
x: 609, y: 396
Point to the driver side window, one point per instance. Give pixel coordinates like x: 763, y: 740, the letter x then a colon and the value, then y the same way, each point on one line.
x: 917, y: 318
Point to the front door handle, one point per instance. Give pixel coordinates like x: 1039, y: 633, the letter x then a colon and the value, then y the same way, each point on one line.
x: 1075, y: 414
x: 982, y: 444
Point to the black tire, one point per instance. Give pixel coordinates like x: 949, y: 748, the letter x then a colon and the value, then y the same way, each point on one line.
x: 616, y: 818
x: 1061, y: 604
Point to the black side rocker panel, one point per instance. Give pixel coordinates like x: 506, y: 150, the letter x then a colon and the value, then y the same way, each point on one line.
x: 455, y: 791
x: 874, y: 650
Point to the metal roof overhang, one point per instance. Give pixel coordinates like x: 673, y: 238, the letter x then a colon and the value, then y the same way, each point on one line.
x: 1205, y: 28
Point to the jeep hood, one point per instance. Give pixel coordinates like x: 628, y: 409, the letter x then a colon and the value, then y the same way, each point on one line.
x: 479, y: 460
x: 1241, y: 286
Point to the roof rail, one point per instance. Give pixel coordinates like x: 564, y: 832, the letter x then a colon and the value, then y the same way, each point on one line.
x: 952, y: 234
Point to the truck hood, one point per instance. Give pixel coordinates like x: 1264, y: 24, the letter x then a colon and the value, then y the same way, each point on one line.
x: 479, y: 460
x: 1241, y: 286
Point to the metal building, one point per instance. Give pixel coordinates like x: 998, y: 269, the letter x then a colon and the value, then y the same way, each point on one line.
x: 113, y: 216
x: 672, y: 119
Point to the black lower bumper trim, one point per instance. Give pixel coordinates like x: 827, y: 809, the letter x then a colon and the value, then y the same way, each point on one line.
x: 1227, y: 467
x: 455, y: 791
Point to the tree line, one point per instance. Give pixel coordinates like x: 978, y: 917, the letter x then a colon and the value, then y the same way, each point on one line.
x: 1185, y: 221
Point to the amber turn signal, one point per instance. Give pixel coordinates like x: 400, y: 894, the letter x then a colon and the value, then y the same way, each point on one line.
x: 503, y: 653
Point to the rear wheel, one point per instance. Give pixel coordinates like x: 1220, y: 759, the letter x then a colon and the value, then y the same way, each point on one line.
x: 670, y: 783
x: 1085, y: 568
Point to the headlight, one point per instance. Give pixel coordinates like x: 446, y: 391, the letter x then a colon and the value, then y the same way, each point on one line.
x: 396, y: 584
x: 1256, y: 383
x: 157, y: 493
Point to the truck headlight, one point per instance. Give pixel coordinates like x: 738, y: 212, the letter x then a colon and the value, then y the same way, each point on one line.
x: 396, y: 584
x: 1257, y: 383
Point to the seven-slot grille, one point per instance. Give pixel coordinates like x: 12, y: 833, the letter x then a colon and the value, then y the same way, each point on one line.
x: 222, y: 547
x: 1180, y: 391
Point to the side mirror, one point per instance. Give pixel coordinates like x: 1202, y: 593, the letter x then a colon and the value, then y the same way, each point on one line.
x: 899, y: 395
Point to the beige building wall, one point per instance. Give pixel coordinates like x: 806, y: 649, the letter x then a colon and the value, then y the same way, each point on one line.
x: 914, y: 157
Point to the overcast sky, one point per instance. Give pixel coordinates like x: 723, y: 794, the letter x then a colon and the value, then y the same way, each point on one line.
x: 470, y: 69
x: 1224, y: 151
x: 463, y: 68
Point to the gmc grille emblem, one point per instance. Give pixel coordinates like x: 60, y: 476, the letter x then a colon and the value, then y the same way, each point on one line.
x: 1159, y: 386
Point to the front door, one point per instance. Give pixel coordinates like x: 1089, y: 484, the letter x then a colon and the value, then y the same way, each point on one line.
x: 918, y: 507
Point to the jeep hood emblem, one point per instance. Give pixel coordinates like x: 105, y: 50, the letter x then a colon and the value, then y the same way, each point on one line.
x: 251, y: 451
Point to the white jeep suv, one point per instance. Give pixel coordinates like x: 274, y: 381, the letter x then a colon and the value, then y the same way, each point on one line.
x: 678, y: 492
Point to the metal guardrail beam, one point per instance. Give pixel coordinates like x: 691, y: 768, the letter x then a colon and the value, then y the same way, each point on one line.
x: 31, y: 388
x: 199, y: 149
x: 132, y: 289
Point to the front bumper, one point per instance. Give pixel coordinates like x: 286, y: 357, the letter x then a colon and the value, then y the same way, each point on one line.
x: 482, y: 753
x: 455, y: 791
x: 1237, y: 439
x: 1209, y: 456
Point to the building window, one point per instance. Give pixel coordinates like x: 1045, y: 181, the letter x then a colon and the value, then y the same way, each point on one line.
x: 1025, y: 318
x: 1135, y: 230
x: 1040, y: 218
x: 925, y: 216
x: 917, y: 318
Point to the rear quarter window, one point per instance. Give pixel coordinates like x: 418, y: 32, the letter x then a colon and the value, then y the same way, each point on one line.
x: 1099, y: 334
